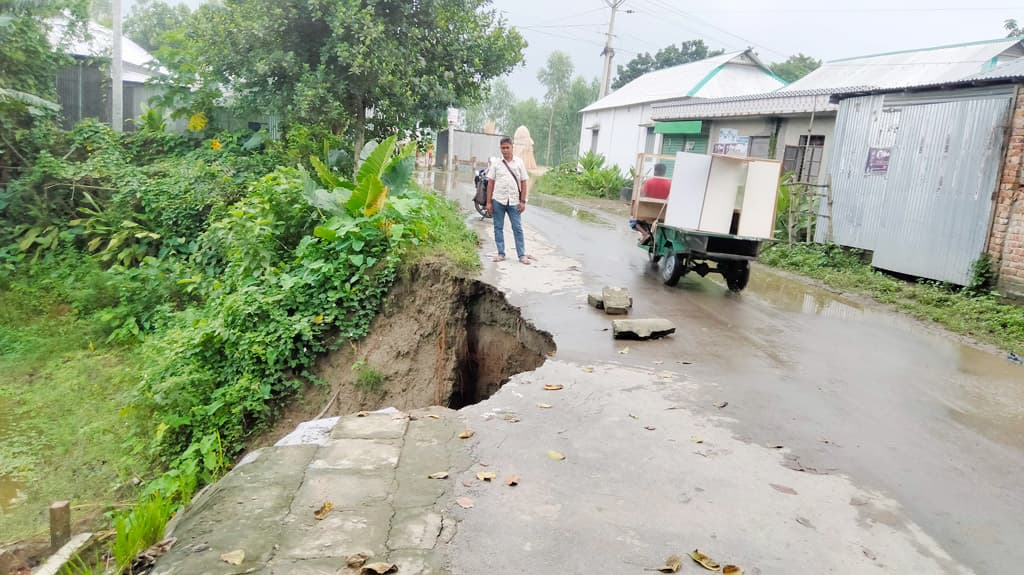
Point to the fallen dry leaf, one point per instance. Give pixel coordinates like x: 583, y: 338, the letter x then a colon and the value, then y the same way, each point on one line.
x: 433, y: 416
x: 624, y: 351
x: 544, y: 405
x: 659, y: 363
x: 233, y: 557
x: 378, y: 569
x: 672, y: 565
x: 633, y: 416
x: 869, y: 553
x: 512, y: 419
x: 356, y: 561
x: 556, y: 455
x: 722, y: 404
x: 362, y: 414
x: 467, y: 434
x: 697, y: 440
x: 732, y: 570
x: 705, y: 561
x: 464, y: 502
x: 512, y: 481
x: 685, y: 362
x: 324, y: 510
x: 783, y: 489
x: 553, y: 386
x: 588, y: 370
x: 650, y: 427
x: 438, y: 475
x: 805, y: 522
x: 486, y: 475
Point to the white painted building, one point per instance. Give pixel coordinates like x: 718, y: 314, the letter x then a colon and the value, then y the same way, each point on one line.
x: 619, y: 126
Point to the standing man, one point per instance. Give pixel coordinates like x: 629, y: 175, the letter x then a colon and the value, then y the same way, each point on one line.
x: 506, y: 194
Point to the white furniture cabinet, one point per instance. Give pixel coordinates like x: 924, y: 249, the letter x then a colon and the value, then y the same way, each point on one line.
x: 726, y: 195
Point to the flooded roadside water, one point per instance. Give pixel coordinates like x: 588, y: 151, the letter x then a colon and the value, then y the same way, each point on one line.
x: 11, y: 489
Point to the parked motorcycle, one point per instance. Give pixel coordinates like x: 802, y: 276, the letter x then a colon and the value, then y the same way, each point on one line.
x: 480, y: 197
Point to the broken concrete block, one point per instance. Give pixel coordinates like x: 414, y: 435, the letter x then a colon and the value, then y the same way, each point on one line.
x: 616, y: 301
x: 595, y: 300
x: 641, y: 328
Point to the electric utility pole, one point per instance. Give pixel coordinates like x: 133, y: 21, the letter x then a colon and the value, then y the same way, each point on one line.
x: 116, y: 68
x: 608, y: 51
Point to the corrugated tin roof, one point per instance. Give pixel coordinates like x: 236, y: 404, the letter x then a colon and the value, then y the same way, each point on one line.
x: 912, y: 67
x: 96, y: 42
x: 725, y: 75
x: 776, y: 103
x: 1011, y: 71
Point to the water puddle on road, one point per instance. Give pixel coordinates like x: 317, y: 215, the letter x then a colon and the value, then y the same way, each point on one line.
x: 568, y: 209
x: 11, y: 490
x: 978, y: 388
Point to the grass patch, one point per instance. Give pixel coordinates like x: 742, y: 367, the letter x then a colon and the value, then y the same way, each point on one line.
x: 63, y: 389
x: 368, y: 379
x: 450, y: 238
x: 979, y: 315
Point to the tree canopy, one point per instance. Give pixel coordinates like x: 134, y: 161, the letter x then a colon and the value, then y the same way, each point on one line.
x: 557, y: 115
x: 672, y: 55
x: 1012, y: 28
x: 795, y: 67
x: 150, y: 20
x: 370, y: 65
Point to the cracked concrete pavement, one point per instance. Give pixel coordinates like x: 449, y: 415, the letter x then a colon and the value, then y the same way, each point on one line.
x: 372, y: 469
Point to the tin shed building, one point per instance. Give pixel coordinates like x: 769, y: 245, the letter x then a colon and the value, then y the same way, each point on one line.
x: 929, y: 178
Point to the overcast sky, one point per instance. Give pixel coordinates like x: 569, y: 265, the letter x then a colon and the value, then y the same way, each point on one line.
x: 774, y: 28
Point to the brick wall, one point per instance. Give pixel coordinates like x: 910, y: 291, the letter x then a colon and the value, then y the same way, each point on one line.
x: 1006, y: 242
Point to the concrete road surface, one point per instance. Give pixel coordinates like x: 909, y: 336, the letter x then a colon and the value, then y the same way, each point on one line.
x: 784, y: 430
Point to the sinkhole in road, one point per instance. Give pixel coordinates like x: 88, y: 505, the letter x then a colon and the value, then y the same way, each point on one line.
x: 440, y: 339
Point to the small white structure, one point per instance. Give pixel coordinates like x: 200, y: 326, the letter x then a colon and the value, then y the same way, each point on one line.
x: 83, y: 89
x: 619, y: 125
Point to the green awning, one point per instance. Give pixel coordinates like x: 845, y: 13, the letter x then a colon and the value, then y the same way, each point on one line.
x: 683, y: 127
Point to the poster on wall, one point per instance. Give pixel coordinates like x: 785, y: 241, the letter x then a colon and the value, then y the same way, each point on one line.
x: 878, y: 161
x: 728, y: 135
x: 737, y: 147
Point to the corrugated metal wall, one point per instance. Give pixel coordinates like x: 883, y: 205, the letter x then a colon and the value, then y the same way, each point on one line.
x: 929, y: 214
x: 468, y: 145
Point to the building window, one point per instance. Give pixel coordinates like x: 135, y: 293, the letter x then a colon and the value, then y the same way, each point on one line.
x: 759, y: 146
x: 649, y: 141
x: 593, y: 140
x: 804, y: 160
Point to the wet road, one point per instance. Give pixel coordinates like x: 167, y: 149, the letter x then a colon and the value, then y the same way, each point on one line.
x: 894, y: 406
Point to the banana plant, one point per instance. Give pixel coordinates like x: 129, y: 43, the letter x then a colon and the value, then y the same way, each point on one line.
x: 378, y: 193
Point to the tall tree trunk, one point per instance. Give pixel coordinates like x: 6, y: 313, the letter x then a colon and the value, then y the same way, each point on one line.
x: 360, y: 135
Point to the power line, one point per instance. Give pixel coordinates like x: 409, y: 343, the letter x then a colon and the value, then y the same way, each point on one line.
x: 665, y: 6
x: 575, y: 38
x: 576, y: 15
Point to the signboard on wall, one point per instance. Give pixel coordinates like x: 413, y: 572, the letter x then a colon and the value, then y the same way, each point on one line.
x: 737, y: 147
x: 728, y: 135
x: 878, y: 161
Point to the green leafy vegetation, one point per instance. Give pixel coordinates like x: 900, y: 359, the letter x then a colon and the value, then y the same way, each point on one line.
x: 978, y: 314
x: 585, y: 177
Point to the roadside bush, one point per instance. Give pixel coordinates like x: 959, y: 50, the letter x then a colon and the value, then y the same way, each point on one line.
x: 586, y: 177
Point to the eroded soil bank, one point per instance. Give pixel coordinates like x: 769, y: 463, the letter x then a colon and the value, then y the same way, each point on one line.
x: 440, y: 339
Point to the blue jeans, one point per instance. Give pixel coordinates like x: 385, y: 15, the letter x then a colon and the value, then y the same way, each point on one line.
x: 499, y: 227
